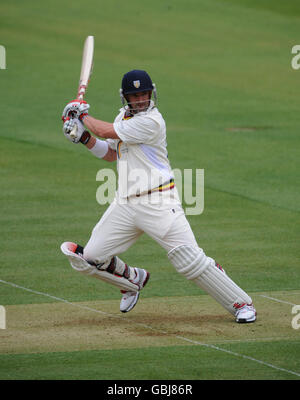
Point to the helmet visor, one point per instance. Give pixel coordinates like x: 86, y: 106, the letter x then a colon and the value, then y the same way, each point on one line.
x: 138, y: 102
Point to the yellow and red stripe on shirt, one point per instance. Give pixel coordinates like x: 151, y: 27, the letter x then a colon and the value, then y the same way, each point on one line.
x: 127, y: 115
x: 118, y: 148
x: 165, y: 186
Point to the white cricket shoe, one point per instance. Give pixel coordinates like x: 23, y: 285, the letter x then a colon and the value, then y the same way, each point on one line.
x: 245, y: 314
x: 129, y: 299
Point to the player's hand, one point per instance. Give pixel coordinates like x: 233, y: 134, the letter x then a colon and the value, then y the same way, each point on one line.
x: 75, y: 127
x: 75, y: 109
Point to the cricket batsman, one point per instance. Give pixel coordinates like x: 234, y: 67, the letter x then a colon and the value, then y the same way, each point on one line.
x: 146, y: 201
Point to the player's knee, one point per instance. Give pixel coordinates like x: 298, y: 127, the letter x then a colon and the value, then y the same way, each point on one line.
x: 93, y: 255
x: 190, y: 261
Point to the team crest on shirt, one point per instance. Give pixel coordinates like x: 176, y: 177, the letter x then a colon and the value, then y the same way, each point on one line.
x: 137, y: 84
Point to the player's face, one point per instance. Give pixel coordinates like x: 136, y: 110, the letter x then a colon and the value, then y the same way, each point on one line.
x: 138, y: 101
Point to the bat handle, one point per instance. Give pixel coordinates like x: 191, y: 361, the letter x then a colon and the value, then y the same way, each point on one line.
x: 73, y: 132
x: 81, y: 92
x: 80, y: 95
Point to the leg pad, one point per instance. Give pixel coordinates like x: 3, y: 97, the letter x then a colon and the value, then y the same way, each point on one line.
x: 195, y: 265
x: 81, y: 265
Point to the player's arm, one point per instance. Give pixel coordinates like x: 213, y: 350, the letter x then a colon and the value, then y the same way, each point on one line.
x: 111, y: 155
x: 99, y: 148
x: 79, y: 109
x: 100, y: 128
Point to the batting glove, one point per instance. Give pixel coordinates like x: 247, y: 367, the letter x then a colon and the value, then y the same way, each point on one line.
x: 75, y: 109
x: 75, y: 127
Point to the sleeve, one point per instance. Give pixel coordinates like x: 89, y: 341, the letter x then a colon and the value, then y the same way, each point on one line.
x: 139, y: 129
x: 111, y: 143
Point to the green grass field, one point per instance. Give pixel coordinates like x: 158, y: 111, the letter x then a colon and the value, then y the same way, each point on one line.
x: 230, y: 99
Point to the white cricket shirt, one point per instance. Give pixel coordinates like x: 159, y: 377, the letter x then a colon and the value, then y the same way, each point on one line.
x: 142, y: 160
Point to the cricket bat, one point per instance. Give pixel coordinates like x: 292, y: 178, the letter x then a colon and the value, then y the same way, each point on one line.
x: 86, y: 71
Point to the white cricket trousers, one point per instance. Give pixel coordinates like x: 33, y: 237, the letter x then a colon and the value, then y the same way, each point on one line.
x: 159, y: 215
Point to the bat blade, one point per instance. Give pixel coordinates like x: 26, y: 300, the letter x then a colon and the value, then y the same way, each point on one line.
x: 86, y: 66
x: 85, y: 73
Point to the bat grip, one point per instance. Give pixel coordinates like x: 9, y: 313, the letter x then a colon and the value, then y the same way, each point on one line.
x: 79, y: 97
x: 73, y: 132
